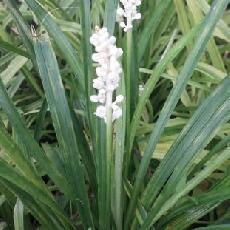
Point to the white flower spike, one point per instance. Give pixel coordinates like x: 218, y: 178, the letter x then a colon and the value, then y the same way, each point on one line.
x: 108, y: 73
x: 127, y: 13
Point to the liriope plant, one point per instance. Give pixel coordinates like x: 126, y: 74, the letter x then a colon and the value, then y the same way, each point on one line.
x: 114, y: 114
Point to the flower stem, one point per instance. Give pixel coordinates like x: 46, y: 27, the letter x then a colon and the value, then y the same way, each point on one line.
x: 109, y: 153
x: 127, y: 102
x: 118, y: 170
x: 128, y: 95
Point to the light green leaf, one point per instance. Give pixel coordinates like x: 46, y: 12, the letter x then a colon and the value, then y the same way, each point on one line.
x: 18, y: 215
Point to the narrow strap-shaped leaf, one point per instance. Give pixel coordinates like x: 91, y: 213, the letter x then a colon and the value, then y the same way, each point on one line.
x: 16, y: 156
x: 215, y: 227
x: 128, y: 79
x: 149, y: 86
x: 31, y: 147
x: 60, y: 112
x: 214, y: 74
x: 155, y: 76
x: 194, y: 137
x: 211, y: 48
x: 162, y: 27
x: 18, y: 215
x: 151, y: 27
x: 42, y: 213
x: 134, y: 86
x: 10, y: 174
x: 222, y: 30
x: 29, y: 202
x: 60, y: 39
x: 40, y: 119
x: 197, y: 207
x: 215, y: 150
x: 207, y: 28
x: 2, y: 199
x: 210, y: 166
x: 182, y: 15
x: 10, y: 47
x: 32, y: 80
x: 87, y: 52
x: 110, y: 15
x: 22, y: 26
x: 185, y: 142
x: 14, y: 66
x: 84, y: 149
x: 35, y: 185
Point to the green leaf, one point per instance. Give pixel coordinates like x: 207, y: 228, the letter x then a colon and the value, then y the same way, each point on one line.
x: 151, y: 27
x: 155, y: 76
x: 40, y: 119
x: 87, y: 52
x: 29, y: 146
x: 60, y: 112
x: 214, y: 73
x: 31, y: 203
x: 182, y: 14
x: 22, y: 26
x: 9, y: 47
x: 110, y: 15
x: 84, y: 149
x: 44, y: 209
x: 222, y: 30
x: 15, y: 65
x: 211, y: 47
x: 150, y: 84
x: 18, y: 215
x: 194, y: 207
x: 60, y: 39
x: 32, y: 80
x: 2, y: 199
x: 134, y: 86
x: 17, y: 173
x: 162, y: 28
x: 7, y: 172
x: 193, y: 138
x: 205, y: 33
x: 215, y: 227
x: 210, y: 166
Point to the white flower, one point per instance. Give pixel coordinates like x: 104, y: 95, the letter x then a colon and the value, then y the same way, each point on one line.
x: 127, y: 13
x: 108, y: 72
x: 119, y: 99
x: 101, y: 111
x: 98, y: 83
x: 117, y: 111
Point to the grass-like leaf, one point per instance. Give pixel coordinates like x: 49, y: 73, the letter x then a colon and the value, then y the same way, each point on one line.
x: 206, y: 30
x: 18, y: 216
x: 63, y: 124
x: 164, y: 164
x: 60, y: 39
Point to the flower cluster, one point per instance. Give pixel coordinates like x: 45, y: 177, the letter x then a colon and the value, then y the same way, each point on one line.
x: 108, y: 72
x: 127, y: 13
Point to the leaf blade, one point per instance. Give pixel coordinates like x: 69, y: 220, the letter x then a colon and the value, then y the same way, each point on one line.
x: 60, y: 112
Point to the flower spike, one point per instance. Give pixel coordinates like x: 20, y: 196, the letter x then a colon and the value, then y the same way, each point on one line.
x: 127, y: 13
x: 108, y: 73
